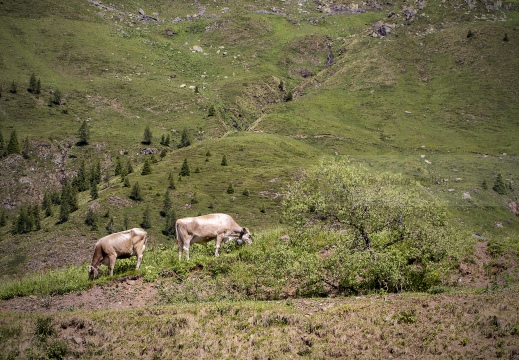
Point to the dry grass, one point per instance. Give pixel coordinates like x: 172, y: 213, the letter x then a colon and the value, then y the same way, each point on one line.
x: 464, y: 325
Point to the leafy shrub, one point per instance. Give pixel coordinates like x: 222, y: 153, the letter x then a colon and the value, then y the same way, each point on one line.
x: 393, y: 234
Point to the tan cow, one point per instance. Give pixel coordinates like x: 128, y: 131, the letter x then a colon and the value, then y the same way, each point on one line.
x: 202, y: 229
x: 122, y: 245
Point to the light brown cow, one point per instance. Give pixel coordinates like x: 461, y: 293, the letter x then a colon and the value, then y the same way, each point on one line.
x: 202, y: 229
x: 122, y: 245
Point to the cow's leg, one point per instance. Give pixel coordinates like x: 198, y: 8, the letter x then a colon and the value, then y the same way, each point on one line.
x: 186, y: 250
x: 112, y: 264
x: 139, y: 259
x: 219, y: 239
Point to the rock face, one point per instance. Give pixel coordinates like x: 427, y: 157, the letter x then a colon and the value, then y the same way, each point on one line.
x: 381, y: 29
x: 514, y: 208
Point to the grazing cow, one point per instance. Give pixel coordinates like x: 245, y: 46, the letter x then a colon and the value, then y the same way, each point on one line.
x: 202, y: 229
x: 120, y: 245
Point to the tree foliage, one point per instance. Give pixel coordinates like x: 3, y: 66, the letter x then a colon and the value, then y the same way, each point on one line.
x: 393, y: 234
x: 83, y: 134
x: 13, y: 147
x: 148, y: 137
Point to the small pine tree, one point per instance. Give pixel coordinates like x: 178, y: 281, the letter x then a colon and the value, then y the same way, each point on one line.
x: 83, y: 134
x: 168, y: 140
x: 47, y: 204
x: 57, y: 98
x: 3, y: 218
x: 80, y: 181
x: 36, y: 217
x: 212, y: 111
x: 184, y: 170
x: 166, y: 207
x: 95, y: 173
x: 224, y: 161
x: 26, y: 148
x: 94, y: 193
x: 64, y: 212
x: 246, y: 192
x: 171, y: 180
x: 484, y: 185
x: 230, y: 189
x: 126, y: 182
x: 146, y: 218
x: 499, y: 185
x: 13, y: 147
x: 32, y: 84
x: 506, y: 38
x: 110, y: 226
x: 185, y: 140
x: 92, y: 219
x: 146, y: 169
x: 129, y: 167
x: 169, y: 228
x: 147, y: 136
x: 162, y: 140
x: 38, y: 87
x: 13, y: 89
x: 126, y: 222
x: 118, y: 166
x: 136, y: 192
x: 470, y: 34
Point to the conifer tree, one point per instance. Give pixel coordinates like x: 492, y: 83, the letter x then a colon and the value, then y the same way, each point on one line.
x: 92, y: 220
x: 33, y: 84
x: 224, y: 161
x: 147, y: 136
x: 3, y: 218
x: 169, y: 228
x: 26, y: 148
x: 171, y: 180
x: 94, y: 193
x: 36, y: 217
x: 80, y: 181
x: 146, y: 169
x: 126, y: 222
x: 1, y: 144
x: 184, y: 170
x: 230, y: 189
x: 118, y: 166
x: 146, y: 218
x: 499, y: 185
x: 110, y: 226
x: 83, y: 134
x: 13, y: 147
x: 14, y: 88
x: 185, y: 140
x: 136, y: 192
x: 47, y: 204
x: 129, y: 167
x: 166, y: 204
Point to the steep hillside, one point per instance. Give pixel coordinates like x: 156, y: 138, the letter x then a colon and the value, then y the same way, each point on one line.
x: 427, y: 89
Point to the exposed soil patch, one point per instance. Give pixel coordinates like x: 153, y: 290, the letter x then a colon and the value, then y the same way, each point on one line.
x: 129, y: 292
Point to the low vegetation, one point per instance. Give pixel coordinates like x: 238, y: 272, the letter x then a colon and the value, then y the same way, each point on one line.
x: 370, y: 147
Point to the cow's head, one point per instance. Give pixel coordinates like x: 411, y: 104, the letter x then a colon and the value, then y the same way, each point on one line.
x: 244, y: 237
x: 93, y: 272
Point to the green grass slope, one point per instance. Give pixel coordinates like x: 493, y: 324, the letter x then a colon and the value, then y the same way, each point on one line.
x: 426, y: 100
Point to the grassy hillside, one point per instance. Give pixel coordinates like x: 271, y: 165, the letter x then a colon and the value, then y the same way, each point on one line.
x: 427, y: 90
